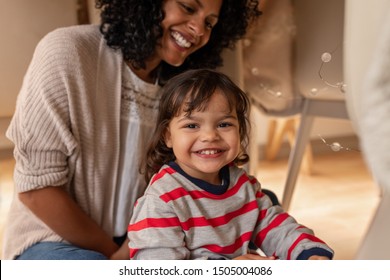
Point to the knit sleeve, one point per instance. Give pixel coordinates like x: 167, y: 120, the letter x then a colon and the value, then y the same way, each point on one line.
x: 279, y: 234
x: 40, y: 128
x: 155, y: 231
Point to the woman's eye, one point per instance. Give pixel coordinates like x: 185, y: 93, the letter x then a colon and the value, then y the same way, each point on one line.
x: 187, y: 8
x: 209, y: 25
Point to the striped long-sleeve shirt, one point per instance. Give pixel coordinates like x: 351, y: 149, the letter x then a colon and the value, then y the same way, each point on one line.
x: 180, y: 217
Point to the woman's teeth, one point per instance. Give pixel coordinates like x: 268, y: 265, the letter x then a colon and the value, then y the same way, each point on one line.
x: 180, y: 40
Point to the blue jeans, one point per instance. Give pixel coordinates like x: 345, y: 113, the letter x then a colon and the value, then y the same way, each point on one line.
x: 59, y: 251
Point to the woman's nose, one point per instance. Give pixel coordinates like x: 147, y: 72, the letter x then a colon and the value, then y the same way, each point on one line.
x: 197, y: 26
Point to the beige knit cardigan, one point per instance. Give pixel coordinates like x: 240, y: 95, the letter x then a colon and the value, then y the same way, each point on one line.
x: 66, y: 130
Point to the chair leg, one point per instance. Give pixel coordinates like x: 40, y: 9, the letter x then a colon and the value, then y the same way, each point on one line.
x: 272, y: 125
x: 307, y: 161
x: 295, y: 158
x: 278, y: 128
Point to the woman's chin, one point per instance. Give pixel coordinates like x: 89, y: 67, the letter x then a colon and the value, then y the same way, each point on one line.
x: 175, y: 63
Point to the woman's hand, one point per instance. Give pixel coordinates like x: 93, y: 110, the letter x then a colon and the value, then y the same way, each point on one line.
x: 123, y: 253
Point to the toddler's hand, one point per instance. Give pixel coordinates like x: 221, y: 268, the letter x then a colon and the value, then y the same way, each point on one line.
x: 253, y: 257
x: 315, y: 257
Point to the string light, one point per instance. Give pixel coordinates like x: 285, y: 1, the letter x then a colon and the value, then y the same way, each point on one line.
x: 277, y: 94
x: 326, y: 57
x: 336, y: 146
x: 269, y: 88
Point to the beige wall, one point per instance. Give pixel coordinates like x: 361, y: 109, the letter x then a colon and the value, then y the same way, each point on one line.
x: 22, y: 24
x: 94, y: 16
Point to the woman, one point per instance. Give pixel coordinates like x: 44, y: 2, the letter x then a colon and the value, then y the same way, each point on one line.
x: 86, y: 110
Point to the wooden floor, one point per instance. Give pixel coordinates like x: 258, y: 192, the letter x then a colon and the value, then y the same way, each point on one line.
x: 337, y: 201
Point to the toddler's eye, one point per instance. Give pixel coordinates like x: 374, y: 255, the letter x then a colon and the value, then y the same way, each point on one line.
x: 191, y: 125
x: 225, y: 124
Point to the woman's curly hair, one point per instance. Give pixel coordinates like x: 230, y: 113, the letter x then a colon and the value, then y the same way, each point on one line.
x: 134, y: 27
x: 191, y: 91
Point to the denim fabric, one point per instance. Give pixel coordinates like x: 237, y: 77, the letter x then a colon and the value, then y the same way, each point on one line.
x: 59, y: 251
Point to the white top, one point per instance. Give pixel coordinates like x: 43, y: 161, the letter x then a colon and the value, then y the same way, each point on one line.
x: 139, y: 108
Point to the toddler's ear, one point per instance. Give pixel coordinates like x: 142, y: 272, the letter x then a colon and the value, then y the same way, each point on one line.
x: 167, y: 138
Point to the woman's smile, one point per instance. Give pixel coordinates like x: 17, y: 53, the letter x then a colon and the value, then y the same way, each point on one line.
x: 180, y: 40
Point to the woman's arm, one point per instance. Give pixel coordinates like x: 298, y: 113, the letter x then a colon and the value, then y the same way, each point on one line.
x: 58, y: 211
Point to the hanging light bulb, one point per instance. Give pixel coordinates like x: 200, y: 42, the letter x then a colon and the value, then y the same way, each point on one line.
x: 325, y: 58
x: 336, y: 146
x: 342, y: 87
x: 314, y: 91
x: 255, y: 71
x: 278, y: 94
